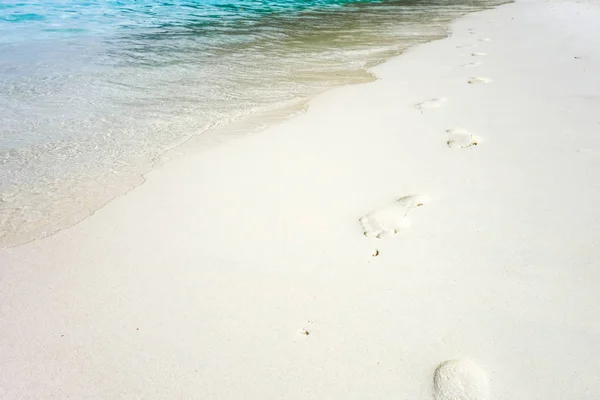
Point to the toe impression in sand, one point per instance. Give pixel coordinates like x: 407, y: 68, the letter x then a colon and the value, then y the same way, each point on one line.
x: 390, y: 219
x: 460, y: 380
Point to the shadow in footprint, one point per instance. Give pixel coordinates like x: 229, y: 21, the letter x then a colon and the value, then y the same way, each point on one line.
x: 431, y: 103
x: 472, y: 64
x: 479, y: 79
x: 390, y: 219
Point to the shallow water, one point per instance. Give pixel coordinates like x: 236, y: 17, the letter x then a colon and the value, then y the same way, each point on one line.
x: 93, y: 92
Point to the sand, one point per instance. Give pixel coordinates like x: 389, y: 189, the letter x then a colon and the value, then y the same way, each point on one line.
x: 244, y: 271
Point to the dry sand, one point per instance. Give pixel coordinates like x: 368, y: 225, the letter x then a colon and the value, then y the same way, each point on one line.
x: 253, y: 270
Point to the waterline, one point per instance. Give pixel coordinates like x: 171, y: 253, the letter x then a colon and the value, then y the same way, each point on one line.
x: 95, y: 92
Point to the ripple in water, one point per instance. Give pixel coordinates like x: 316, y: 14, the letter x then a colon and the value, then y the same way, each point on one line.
x: 93, y: 92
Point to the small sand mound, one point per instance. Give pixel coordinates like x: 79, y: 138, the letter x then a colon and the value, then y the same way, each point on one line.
x: 461, y: 138
x: 460, y: 380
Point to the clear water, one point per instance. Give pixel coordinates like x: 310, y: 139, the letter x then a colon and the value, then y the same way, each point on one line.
x: 93, y: 92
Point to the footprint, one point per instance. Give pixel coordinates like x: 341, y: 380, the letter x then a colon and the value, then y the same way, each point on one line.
x: 473, y: 64
x: 479, y: 79
x: 390, y: 219
x: 460, y: 380
x: 461, y: 138
x: 478, y: 54
x: 485, y: 39
x: 432, y: 103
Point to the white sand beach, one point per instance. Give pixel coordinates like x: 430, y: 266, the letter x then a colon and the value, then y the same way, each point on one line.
x: 447, y: 211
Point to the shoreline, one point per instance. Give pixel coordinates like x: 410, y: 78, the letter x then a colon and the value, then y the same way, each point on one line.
x: 244, y: 270
x: 28, y: 215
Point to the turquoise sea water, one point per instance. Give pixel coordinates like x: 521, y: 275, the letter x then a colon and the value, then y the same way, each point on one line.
x: 93, y: 92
